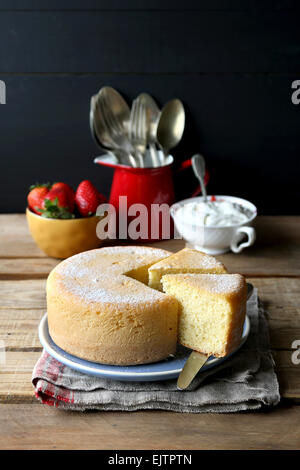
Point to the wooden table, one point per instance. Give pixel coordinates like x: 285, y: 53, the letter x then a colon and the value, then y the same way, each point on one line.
x: 273, y: 265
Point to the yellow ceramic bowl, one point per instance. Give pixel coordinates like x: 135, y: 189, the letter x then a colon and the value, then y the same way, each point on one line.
x: 61, y: 238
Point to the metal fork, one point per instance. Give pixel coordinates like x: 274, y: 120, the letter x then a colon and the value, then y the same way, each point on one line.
x: 138, y: 129
x: 115, y: 130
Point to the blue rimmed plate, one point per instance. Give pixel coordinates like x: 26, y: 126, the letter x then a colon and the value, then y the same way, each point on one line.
x: 163, y: 370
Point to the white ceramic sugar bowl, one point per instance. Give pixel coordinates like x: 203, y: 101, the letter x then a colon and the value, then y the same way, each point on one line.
x: 215, y: 239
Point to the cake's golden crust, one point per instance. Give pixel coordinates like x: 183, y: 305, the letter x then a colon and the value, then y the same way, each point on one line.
x: 98, y: 313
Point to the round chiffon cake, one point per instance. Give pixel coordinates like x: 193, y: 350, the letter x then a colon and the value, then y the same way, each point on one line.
x: 101, y: 309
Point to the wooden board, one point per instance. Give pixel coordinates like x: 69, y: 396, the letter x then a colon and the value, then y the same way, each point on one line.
x: 15, y: 239
x: 23, y: 294
x: 272, y: 266
x: 22, y: 304
x: 275, y: 253
x: 36, y: 427
x: 18, y: 329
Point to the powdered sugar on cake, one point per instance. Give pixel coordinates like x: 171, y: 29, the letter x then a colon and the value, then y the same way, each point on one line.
x: 99, y: 275
x: 191, y: 258
x: 99, y: 294
x: 215, y: 283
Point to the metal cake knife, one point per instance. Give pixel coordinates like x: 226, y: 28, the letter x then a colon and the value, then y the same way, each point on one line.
x: 197, y: 360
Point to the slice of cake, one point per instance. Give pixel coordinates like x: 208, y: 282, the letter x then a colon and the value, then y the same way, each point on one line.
x: 184, y: 261
x: 212, y: 310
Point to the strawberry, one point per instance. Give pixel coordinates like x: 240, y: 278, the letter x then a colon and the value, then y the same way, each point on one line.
x: 70, y: 191
x: 36, y: 197
x: 57, y: 204
x: 87, y: 198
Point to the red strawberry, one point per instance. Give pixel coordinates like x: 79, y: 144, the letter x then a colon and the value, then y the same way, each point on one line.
x: 70, y: 191
x: 61, y: 195
x: 36, y: 197
x: 57, y: 205
x: 87, y: 198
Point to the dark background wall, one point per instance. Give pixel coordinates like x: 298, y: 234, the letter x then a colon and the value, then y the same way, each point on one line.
x: 231, y: 62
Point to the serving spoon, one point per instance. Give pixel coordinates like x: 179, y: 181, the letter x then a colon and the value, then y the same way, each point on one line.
x: 198, y: 165
x: 171, y: 125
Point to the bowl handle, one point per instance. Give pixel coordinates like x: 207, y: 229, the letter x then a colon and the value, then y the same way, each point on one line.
x: 251, y: 236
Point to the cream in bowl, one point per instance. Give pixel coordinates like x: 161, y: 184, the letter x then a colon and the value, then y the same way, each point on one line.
x: 219, y: 225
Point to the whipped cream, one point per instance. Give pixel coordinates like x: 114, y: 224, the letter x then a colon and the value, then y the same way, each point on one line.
x: 212, y: 213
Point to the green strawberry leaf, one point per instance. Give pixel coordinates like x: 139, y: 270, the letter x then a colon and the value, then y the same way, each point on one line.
x: 53, y: 211
x: 40, y: 185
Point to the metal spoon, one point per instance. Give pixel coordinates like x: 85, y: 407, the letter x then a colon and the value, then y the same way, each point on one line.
x: 98, y: 131
x: 171, y: 125
x: 152, y: 119
x: 198, y: 164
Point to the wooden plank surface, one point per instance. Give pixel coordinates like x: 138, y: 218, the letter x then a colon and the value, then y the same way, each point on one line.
x: 16, y: 387
x: 275, y: 253
x: 33, y: 426
x: 26, y: 268
x: 22, y: 304
x: 252, y: 263
x: 272, y: 266
x: 15, y: 239
x: 18, y: 328
x: 23, y: 294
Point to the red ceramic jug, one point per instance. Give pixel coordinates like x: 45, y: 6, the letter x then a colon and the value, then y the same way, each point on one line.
x: 147, y: 186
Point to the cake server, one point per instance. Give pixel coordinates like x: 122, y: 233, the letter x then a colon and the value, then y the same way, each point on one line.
x: 191, y: 368
x: 197, y: 360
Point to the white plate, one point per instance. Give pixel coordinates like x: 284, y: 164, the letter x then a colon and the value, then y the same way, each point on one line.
x: 163, y: 370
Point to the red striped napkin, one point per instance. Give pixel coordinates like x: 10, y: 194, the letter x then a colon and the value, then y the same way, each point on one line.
x: 47, y: 378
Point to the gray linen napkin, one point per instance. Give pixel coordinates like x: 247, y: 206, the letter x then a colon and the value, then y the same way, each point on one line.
x: 246, y: 381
